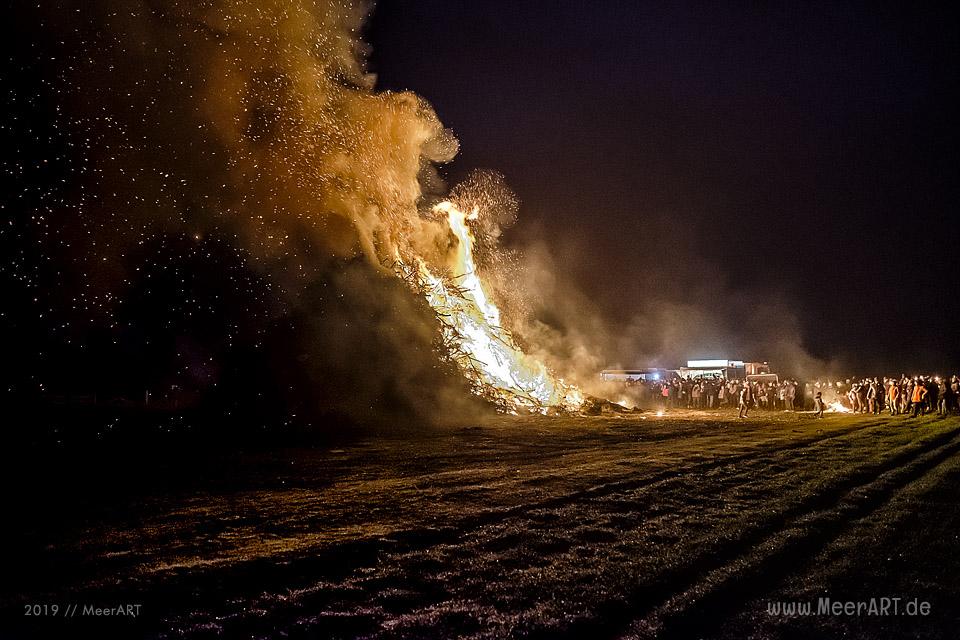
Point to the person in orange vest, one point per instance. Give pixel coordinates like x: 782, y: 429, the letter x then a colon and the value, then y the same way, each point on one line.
x: 919, y: 399
x: 893, y: 397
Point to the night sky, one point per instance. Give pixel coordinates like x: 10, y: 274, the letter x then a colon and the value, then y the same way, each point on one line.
x: 802, y: 150
x: 701, y: 177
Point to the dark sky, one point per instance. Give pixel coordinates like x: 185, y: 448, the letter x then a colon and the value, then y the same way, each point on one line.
x: 806, y: 150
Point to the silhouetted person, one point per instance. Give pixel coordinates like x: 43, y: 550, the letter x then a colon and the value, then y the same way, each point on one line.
x: 933, y: 395
x: 745, y: 399
x: 819, y: 404
x: 944, y: 398
x: 872, y: 398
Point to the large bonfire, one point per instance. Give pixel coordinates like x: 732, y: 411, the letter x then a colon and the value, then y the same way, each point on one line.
x: 473, y: 334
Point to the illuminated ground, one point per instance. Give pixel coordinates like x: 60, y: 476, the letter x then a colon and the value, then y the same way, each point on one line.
x: 600, y: 527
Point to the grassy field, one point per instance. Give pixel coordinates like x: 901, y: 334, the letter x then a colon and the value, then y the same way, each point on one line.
x: 690, y: 525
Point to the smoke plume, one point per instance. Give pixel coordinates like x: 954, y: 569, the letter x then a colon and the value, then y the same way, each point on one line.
x: 230, y: 170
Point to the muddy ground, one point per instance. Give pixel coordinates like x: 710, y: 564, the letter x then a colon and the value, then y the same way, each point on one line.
x: 691, y: 525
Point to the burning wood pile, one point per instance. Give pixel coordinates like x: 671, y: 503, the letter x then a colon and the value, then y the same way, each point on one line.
x: 473, y: 336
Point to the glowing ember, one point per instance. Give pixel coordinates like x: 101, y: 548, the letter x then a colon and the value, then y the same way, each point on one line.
x: 485, y: 351
x: 837, y: 407
x: 660, y: 414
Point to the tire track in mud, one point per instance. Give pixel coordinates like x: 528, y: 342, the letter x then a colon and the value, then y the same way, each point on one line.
x: 708, y: 593
x: 630, y: 481
x: 611, y: 616
x: 408, y: 544
x: 338, y: 560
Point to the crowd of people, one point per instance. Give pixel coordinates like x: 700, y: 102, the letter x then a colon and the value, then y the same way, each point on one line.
x: 716, y: 393
x: 916, y: 396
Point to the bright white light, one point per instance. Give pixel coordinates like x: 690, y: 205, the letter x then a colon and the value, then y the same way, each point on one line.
x: 708, y: 363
